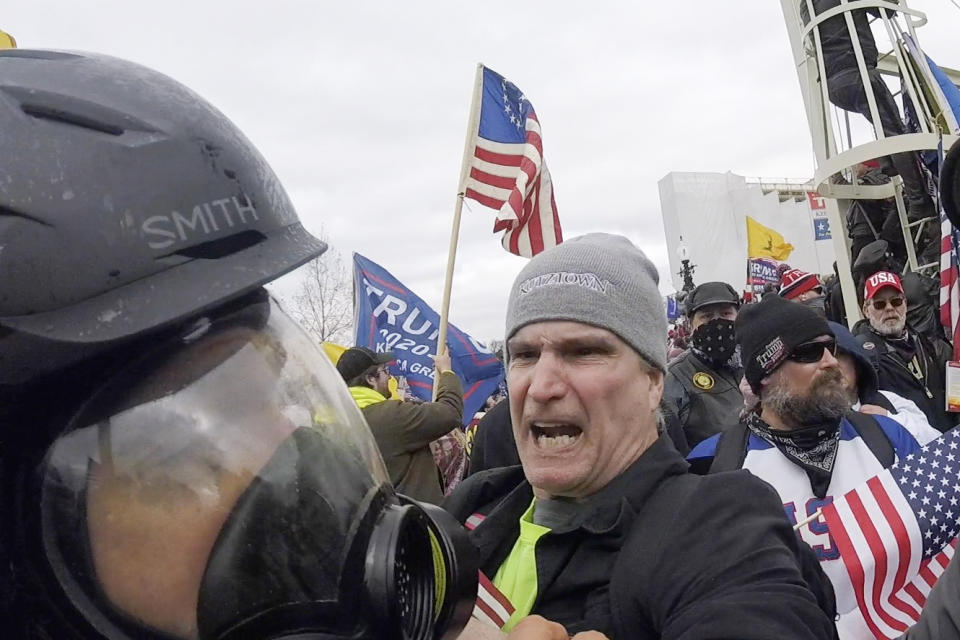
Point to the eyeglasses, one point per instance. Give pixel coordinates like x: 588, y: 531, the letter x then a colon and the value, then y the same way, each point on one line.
x: 812, y: 351
x: 881, y: 304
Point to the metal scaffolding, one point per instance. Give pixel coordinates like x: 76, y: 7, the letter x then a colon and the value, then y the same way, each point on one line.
x: 841, y: 140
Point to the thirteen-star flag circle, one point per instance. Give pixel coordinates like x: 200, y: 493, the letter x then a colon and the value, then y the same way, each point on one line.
x: 507, y: 171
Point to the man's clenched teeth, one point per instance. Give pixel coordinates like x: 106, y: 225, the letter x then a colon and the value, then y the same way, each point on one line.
x: 555, y: 434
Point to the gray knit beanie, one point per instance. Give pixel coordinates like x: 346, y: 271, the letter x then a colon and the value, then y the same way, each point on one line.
x: 599, y: 279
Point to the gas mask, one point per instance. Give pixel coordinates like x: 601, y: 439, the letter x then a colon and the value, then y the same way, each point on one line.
x: 715, y: 340
x: 224, y: 485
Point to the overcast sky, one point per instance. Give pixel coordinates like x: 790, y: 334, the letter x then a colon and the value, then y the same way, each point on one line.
x: 361, y: 108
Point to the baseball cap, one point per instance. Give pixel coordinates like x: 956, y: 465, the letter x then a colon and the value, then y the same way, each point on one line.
x: 878, y: 281
x: 711, y: 293
x: 356, y: 360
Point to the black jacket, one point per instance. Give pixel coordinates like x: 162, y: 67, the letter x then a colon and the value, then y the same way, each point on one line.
x: 692, y: 557
x: 929, y: 394
x: 867, y: 217
x: 493, y: 444
x: 835, y: 41
x: 705, y: 398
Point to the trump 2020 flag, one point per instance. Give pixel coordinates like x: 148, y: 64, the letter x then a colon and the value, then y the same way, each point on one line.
x: 897, y: 532
x: 507, y: 171
x: 390, y: 317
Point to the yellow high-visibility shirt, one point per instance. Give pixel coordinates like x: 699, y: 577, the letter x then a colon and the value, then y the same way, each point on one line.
x: 517, y: 576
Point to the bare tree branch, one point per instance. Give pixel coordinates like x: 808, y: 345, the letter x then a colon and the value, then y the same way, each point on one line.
x: 323, y: 304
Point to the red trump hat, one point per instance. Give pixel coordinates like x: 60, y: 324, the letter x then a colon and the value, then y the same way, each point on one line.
x: 878, y: 281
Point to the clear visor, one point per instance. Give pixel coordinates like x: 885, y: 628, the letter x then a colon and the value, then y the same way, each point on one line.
x: 223, y: 438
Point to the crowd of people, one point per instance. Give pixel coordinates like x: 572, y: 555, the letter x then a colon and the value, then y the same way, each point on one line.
x: 178, y: 459
x: 810, y: 408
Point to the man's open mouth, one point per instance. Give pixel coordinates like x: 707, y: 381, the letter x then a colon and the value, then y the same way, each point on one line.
x: 552, y: 434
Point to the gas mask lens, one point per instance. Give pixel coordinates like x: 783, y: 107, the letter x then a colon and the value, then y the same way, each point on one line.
x: 222, y: 477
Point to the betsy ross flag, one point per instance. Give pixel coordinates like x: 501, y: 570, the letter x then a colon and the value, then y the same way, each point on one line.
x: 897, y: 532
x: 507, y: 171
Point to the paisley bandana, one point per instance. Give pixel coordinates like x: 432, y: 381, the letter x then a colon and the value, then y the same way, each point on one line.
x: 813, y: 448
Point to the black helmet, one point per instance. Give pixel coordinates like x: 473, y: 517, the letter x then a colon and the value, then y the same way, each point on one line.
x: 177, y: 458
x: 127, y: 203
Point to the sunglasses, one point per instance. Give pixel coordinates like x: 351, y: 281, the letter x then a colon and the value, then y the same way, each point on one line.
x: 812, y: 351
x: 880, y: 305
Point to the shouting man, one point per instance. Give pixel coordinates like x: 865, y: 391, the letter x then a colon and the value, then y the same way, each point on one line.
x: 601, y: 527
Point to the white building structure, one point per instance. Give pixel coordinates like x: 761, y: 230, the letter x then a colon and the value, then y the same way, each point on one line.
x: 708, y: 213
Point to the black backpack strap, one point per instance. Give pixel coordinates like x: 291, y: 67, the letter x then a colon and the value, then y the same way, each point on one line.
x: 731, y: 448
x: 883, y: 401
x: 873, y: 436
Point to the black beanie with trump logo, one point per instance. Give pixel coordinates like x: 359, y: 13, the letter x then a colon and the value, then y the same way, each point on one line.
x: 769, y: 331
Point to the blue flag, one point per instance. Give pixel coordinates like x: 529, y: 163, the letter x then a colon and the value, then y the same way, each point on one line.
x: 390, y: 317
x: 821, y: 229
x: 673, y: 309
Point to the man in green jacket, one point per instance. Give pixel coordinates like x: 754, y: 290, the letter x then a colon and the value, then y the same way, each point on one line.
x: 404, y: 430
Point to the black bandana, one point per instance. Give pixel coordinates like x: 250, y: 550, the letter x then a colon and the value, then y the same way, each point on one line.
x: 715, y: 342
x: 814, y: 449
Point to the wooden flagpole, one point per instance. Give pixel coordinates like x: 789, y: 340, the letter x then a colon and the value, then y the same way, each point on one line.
x: 473, y: 124
x: 809, y: 519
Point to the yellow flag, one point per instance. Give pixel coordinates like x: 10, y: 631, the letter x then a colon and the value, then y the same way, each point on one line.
x: 7, y: 41
x: 334, y: 351
x: 764, y: 242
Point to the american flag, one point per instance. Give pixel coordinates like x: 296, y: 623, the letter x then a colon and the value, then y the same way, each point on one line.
x: 491, y: 606
x: 507, y: 171
x: 949, y: 288
x: 897, y: 532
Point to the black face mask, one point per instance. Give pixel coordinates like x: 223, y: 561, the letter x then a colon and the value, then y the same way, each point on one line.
x: 818, y: 304
x: 715, y: 340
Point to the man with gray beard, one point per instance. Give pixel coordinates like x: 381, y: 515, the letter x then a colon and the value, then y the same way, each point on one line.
x: 803, y: 438
x: 908, y: 363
